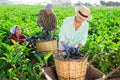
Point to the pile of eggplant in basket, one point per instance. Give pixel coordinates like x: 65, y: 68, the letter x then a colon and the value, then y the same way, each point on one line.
x: 71, y: 53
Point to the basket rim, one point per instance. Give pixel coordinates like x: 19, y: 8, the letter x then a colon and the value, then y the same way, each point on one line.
x: 44, y: 41
x: 50, y: 51
x: 77, y: 60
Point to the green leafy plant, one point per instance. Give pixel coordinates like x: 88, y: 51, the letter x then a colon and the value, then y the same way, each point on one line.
x: 104, y: 37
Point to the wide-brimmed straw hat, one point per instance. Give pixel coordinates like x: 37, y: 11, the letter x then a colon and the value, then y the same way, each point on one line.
x: 83, y: 12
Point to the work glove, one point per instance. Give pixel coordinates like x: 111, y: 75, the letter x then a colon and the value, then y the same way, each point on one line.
x: 48, y: 37
x: 66, y: 47
x: 30, y: 38
x: 74, y: 51
x: 78, y: 49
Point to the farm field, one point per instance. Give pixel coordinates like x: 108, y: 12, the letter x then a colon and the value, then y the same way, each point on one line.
x: 104, y: 37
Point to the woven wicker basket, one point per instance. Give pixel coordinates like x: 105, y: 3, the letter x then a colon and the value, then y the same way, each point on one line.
x: 71, y: 69
x: 46, y: 46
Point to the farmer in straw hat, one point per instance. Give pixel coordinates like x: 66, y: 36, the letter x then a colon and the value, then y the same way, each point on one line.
x: 47, y: 21
x: 74, y: 33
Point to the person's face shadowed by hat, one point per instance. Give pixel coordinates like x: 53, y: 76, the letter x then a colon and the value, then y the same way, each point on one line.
x: 48, y: 9
x: 79, y: 19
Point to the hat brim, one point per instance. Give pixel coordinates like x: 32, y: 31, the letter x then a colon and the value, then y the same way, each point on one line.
x: 88, y: 18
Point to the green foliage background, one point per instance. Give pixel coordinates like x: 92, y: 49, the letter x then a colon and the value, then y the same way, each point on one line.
x: 104, y: 37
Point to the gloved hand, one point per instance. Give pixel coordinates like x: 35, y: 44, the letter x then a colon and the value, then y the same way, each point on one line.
x: 48, y: 37
x: 66, y: 48
x: 78, y: 49
x: 30, y: 38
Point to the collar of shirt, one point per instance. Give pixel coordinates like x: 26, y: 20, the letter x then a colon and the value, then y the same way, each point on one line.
x: 73, y: 27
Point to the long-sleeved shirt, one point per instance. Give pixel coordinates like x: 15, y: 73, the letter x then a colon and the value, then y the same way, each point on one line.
x: 14, y: 37
x: 47, y: 21
x: 72, y: 36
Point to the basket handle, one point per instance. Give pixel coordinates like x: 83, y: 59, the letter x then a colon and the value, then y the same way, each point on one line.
x: 96, y: 56
x: 55, y: 51
x: 107, y: 76
x: 86, y: 55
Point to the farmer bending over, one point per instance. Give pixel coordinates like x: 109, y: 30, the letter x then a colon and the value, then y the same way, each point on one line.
x: 74, y: 33
x: 47, y: 21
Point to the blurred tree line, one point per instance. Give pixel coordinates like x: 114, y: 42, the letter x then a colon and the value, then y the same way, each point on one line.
x: 103, y: 3
x: 109, y: 3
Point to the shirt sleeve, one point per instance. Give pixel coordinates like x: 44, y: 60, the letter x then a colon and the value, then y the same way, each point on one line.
x: 63, y: 31
x: 12, y: 37
x: 39, y: 22
x: 23, y: 36
x: 55, y: 22
x: 85, y: 35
